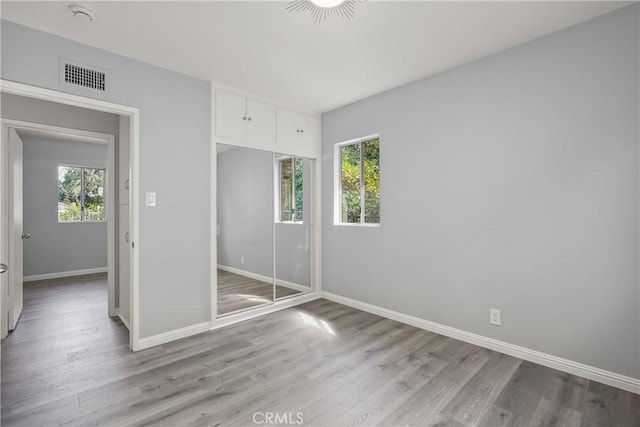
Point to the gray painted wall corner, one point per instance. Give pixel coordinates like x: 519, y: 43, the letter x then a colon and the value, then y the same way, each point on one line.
x: 511, y: 182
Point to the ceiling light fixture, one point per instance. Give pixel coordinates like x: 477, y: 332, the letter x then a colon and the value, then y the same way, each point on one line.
x: 82, y: 12
x: 321, y: 9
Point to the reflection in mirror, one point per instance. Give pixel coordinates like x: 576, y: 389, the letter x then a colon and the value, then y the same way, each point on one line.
x: 293, y: 233
x: 244, y: 228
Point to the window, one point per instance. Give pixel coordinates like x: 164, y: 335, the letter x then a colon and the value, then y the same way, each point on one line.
x: 357, y: 179
x: 80, y: 194
x: 290, y: 172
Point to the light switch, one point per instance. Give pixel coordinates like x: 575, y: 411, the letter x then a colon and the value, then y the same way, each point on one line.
x: 150, y: 198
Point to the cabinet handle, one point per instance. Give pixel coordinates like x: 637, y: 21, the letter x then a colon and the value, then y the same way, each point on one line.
x: 301, y: 130
x: 244, y: 118
x: 298, y: 130
x: 249, y: 119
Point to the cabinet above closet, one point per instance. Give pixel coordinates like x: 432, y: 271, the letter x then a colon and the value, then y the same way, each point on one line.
x: 298, y: 133
x: 243, y: 121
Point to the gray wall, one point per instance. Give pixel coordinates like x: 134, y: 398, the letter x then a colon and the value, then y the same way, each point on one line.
x: 58, y: 247
x: 245, y: 217
x: 174, y: 162
x: 511, y: 183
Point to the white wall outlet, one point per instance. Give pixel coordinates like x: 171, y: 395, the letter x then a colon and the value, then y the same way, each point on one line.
x: 242, y: 260
x: 150, y: 198
x: 494, y: 317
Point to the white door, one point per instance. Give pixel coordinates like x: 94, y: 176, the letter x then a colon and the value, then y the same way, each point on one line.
x: 15, y: 228
x: 231, y: 115
x: 4, y: 231
x: 124, y: 269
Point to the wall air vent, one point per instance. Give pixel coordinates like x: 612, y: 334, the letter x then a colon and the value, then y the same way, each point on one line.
x: 79, y: 75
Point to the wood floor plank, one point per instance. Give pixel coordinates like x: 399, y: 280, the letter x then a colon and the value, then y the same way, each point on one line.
x: 608, y: 406
x: 550, y: 413
x: 523, y: 392
x: 476, y: 397
x: 426, y: 403
x: 69, y: 364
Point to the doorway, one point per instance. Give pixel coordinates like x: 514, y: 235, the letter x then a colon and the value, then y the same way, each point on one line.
x: 74, y: 171
x: 113, y: 211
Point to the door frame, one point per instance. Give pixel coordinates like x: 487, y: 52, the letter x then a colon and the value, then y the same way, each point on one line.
x: 91, y: 137
x: 133, y: 114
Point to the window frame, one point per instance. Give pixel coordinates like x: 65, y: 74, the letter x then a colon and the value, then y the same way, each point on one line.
x: 82, y: 193
x: 278, y: 186
x: 337, y: 183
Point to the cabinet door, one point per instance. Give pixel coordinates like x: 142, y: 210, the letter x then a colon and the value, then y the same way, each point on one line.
x: 288, y: 131
x: 231, y: 113
x: 261, y: 123
x: 309, y: 144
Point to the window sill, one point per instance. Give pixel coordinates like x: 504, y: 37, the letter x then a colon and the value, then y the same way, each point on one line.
x: 366, y: 225
x: 82, y: 222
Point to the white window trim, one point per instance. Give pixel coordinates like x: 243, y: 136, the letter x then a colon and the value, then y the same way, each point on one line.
x: 277, y: 183
x: 337, y: 183
x: 82, y: 220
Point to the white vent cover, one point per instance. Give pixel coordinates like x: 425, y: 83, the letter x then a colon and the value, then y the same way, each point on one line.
x: 79, y: 75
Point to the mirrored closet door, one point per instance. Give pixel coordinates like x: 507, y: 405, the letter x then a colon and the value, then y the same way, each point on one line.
x: 293, y: 218
x: 244, y: 228
x: 264, y: 228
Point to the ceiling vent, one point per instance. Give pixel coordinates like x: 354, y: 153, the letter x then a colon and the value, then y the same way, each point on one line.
x: 79, y: 75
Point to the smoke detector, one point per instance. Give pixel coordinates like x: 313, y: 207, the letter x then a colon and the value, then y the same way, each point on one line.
x: 82, y: 12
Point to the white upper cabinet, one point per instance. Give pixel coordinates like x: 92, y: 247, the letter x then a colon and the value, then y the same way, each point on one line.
x: 261, y: 122
x: 231, y: 115
x: 298, y: 134
x: 288, y: 129
x: 310, y: 134
x: 247, y: 122
x: 244, y: 119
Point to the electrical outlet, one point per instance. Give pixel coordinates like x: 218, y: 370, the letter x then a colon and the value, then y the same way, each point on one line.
x: 494, y: 317
x: 242, y: 260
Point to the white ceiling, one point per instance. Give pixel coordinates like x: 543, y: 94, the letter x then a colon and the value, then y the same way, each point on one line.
x: 262, y: 48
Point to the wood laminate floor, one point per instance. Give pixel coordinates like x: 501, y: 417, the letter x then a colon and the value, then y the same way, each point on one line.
x: 68, y: 364
x: 236, y: 292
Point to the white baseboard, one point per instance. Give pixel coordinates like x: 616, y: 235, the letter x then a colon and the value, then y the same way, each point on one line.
x: 173, y: 335
x: 279, y: 282
x: 64, y: 274
x: 294, y: 286
x: 592, y: 373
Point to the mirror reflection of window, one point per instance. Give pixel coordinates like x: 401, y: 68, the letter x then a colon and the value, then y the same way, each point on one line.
x: 293, y: 242
x: 291, y: 182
